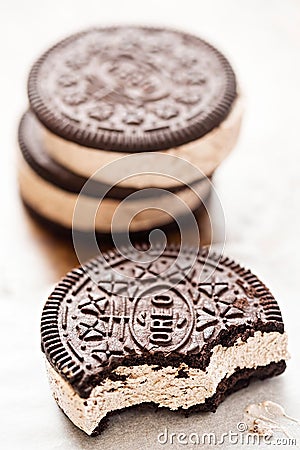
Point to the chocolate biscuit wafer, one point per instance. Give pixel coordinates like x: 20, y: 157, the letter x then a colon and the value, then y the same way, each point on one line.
x: 124, y: 89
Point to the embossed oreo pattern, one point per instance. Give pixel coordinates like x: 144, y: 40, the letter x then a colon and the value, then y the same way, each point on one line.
x: 132, y: 88
x: 88, y: 329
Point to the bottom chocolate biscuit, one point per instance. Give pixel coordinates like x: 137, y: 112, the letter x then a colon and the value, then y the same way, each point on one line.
x: 241, y: 379
x: 171, y: 228
x: 173, y: 331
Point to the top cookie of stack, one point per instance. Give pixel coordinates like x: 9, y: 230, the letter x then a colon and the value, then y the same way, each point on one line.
x: 109, y: 92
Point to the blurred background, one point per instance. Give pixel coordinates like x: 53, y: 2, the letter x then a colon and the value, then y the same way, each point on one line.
x: 258, y: 184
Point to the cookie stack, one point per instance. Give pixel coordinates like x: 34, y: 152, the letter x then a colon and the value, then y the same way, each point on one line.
x: 133, y: 119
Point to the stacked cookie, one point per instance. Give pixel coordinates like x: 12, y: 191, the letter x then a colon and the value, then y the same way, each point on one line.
x: 133, y: 119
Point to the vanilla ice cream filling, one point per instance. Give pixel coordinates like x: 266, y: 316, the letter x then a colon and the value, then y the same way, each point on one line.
x: 58, y: 205
x: 205, y: 153
x: 163, y: 386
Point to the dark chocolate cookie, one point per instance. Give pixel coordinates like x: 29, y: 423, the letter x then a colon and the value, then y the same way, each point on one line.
x: 132, y: 88
x: 34, y: 152
x: 144, y: 322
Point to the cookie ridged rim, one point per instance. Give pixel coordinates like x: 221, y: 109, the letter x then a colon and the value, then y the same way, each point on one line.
x: 64, y: 361
x: 112, y: 140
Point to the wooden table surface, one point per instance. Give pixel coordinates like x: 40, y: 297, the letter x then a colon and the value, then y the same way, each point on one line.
x: 259, y: 187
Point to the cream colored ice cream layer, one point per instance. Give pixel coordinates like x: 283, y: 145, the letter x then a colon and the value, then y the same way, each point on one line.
x: 143, y: 384
x: 58, y: 205
x: 205, y: 154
